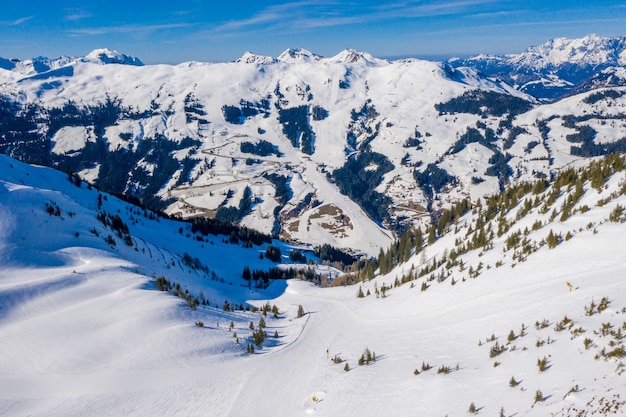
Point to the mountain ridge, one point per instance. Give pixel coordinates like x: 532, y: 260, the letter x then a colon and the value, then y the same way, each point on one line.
x: 305, y: 136
x: 552, y: 69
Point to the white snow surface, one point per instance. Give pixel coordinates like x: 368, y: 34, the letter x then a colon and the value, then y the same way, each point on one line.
x: 84, y: 331
x: 403, y: 94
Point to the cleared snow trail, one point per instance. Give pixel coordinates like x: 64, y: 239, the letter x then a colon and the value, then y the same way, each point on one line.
x: 283, y: 383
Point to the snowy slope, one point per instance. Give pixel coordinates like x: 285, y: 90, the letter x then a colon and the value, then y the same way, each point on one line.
x: 85, y: 332
x: 316, y: 114
x: 401, y: 93
x: 550, y: 70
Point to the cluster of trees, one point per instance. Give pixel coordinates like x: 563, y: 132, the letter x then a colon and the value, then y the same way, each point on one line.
x: 262, y: 148
x: 53, y: 209
x: 116, y: 224
x: 231, y: 214
x: 359, y: 124
x: 333, y: 255
x: 238, y: 115
x: 473, y: 135
x: 484, y: 103
x: 357, y: 179
x: 281, y: 184
x: 194, y: 109
x: 500, y: 167
x: 236, y: 233
x: 409, y: 244
x: 174, y: 288
x: 319, y: 113
x: 273, y: 253
x: 297, y: 128
x: 297, y: 256
x: 585, y: 135
x: 433, y: 179
x: 19, y: 136
x: 274, y: 273
x: 601, y: 95
x: 194, y: 262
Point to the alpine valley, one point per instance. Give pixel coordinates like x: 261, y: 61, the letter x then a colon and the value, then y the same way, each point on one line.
x: 306, y: 235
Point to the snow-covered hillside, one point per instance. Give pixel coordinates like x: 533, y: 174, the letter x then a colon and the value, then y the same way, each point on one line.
x: 517, y: 308
x: 348, y: 150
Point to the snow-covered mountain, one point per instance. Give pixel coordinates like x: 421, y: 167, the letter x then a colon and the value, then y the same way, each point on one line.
x: 550, y: 70
x: 349, y: 150
x: 513, y: 307
x: 43, y: 64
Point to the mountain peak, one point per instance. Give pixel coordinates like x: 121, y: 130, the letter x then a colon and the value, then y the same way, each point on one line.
x: 250, y: 58
x: 352, y: 56
x: 110, y: 56
x: 294, y: 55
x: 589, y: 50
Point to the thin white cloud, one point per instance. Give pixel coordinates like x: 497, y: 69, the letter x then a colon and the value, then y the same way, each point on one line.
x: 76, y: 14
x: 16, y: 22
x: 103, y: 30
x: 304, y: 15
x: 273, y: 15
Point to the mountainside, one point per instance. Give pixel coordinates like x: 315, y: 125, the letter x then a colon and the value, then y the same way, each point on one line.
x: 349, y: 150
x: 555, y: 68
x: 515, y: 306
x: 42, y: 64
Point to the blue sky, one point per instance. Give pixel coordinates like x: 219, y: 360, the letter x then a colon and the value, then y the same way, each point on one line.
x: 160, y: 31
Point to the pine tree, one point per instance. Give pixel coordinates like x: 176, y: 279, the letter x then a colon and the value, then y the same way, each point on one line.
x: 247, y: 275
x: 553, y: 239
x: 472, y: 409
x: 300, y: 311
x: 511, y: 336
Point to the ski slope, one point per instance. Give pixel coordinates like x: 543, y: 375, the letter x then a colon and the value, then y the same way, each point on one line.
x: 84, y: 331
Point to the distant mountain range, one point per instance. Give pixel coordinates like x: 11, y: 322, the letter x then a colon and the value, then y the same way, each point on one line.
x: 557, y: 67
x: 348, y: 150
x: 43, y: 64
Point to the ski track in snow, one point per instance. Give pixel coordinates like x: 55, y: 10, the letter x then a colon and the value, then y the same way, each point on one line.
x: 83, y: 330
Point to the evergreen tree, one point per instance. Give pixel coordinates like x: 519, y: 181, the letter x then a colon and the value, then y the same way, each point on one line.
x: 553, y: 240
x: 511, y: 336
x: 247, y: 275
x: 538, y: 396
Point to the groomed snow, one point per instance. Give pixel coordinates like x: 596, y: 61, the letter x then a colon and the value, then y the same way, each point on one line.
x: 85, y: 332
